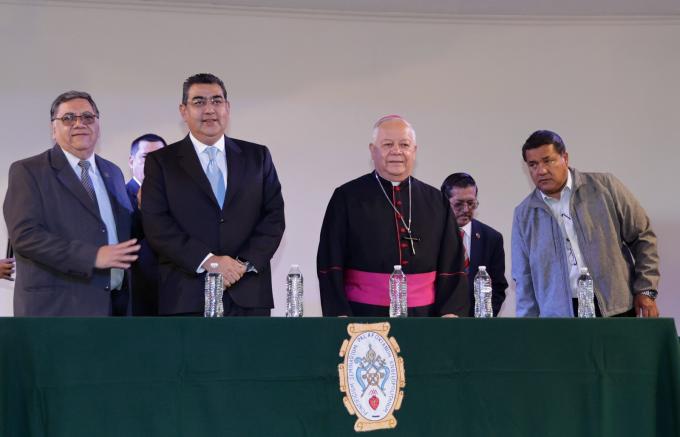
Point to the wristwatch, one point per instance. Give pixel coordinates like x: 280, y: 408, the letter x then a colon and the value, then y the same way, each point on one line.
x: 652, y: 294
x: 248, y: 265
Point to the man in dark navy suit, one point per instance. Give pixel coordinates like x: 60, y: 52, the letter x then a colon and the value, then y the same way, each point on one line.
x: 212, y: 203
x: 145, y: 269
x: 483, y: 244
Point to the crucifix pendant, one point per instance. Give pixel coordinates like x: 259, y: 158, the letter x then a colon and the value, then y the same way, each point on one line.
x: 411, y: 239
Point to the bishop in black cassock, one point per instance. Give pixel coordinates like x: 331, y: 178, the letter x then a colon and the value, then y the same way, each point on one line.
x: 388, y: 218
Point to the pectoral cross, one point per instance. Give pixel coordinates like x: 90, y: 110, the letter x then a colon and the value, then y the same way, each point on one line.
x: 411, y: 239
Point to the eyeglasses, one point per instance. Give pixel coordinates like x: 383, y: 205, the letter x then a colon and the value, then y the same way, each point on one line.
x: 471, y: 205
x: 201, y: 102
x: 69, y: 119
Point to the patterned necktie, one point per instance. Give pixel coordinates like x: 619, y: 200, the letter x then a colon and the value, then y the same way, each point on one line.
x: 461, y: 233
x: 215, y: 175
x: 85, y: 179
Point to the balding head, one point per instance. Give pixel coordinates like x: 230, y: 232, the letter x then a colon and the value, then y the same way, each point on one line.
x: 393, y: 148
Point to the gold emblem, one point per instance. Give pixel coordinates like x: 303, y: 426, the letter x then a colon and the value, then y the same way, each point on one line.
x: 371, y: 376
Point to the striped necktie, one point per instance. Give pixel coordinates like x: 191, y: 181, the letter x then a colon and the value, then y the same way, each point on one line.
x: 85, y: 179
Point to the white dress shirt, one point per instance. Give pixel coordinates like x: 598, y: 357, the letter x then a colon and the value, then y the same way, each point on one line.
x: 560, y: 209
x: 467, y: 237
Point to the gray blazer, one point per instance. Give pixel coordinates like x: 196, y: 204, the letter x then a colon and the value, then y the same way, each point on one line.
x: 616, y: 241
x: 56, y: 230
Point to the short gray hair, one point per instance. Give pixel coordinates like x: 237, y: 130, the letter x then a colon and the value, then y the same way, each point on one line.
x: 71, y: 95
x: 386, y: 118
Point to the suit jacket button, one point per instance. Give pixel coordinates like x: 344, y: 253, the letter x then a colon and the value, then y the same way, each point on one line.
x: 104, y: 230
x: 107, y: 288
x: 221, y: 220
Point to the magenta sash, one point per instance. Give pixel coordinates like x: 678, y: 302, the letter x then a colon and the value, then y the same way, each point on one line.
x: 373, y: 288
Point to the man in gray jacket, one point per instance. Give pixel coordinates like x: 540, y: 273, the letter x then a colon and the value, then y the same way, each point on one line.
x: 574, y: 220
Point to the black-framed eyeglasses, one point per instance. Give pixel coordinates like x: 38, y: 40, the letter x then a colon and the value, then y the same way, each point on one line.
x: 69, y: 119
x: 201, y: 102
x: 461, y: 204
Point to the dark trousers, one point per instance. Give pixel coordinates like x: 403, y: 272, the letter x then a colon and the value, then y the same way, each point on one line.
x: 231, y: 309
x: 629, y: 313
x: 120, y: 300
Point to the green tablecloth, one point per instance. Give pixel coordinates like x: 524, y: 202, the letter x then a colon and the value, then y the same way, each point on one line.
x: 190, y: 377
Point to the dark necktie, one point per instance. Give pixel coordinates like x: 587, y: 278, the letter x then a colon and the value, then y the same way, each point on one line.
x: 85, y: 179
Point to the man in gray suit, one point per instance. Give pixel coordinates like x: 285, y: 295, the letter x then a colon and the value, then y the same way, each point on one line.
x: 69, y: 220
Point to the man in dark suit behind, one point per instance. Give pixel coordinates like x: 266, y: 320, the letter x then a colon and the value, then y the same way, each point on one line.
x: 483, y: 244
x: 212, y: 203
x: 145, y: 269
x: 69, y: 221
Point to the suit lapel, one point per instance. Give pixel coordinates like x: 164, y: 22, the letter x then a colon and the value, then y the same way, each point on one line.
x: 132, y: 187
x: 235, y: 168
x: 107, y: 177
x: 188, y: 160
x: 68, y: 178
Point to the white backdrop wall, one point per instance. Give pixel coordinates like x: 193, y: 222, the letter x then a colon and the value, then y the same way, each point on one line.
x: 310, y: 87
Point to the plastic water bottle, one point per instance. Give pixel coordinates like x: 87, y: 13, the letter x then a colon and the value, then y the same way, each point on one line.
x: 398, y: 293
x: 482, y: 292
x: 214, y: 289
x: 294, y: 292
x: 586, y: 295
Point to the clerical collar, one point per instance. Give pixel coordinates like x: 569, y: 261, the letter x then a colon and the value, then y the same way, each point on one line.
x: 389, y: 182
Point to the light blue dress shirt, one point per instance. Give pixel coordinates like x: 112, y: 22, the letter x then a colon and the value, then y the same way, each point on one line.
x: 105, y: 210
x: 221, y: 160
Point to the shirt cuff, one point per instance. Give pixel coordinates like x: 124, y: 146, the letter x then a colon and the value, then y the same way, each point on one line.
x: 200, y: 268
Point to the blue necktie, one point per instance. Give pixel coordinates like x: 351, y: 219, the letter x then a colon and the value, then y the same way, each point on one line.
x: 215, y: 175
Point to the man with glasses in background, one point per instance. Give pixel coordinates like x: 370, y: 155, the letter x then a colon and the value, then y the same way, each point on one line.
x: 212, y: 203
x: 572, y: 220
x: 483, y: 244
x: 69, y: 220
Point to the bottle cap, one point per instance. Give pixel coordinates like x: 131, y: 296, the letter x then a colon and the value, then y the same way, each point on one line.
x: 482, y: 267
x: 397, y: 267
x: 295, y: 266
x: 584, y: 270
x: 214, y: 265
